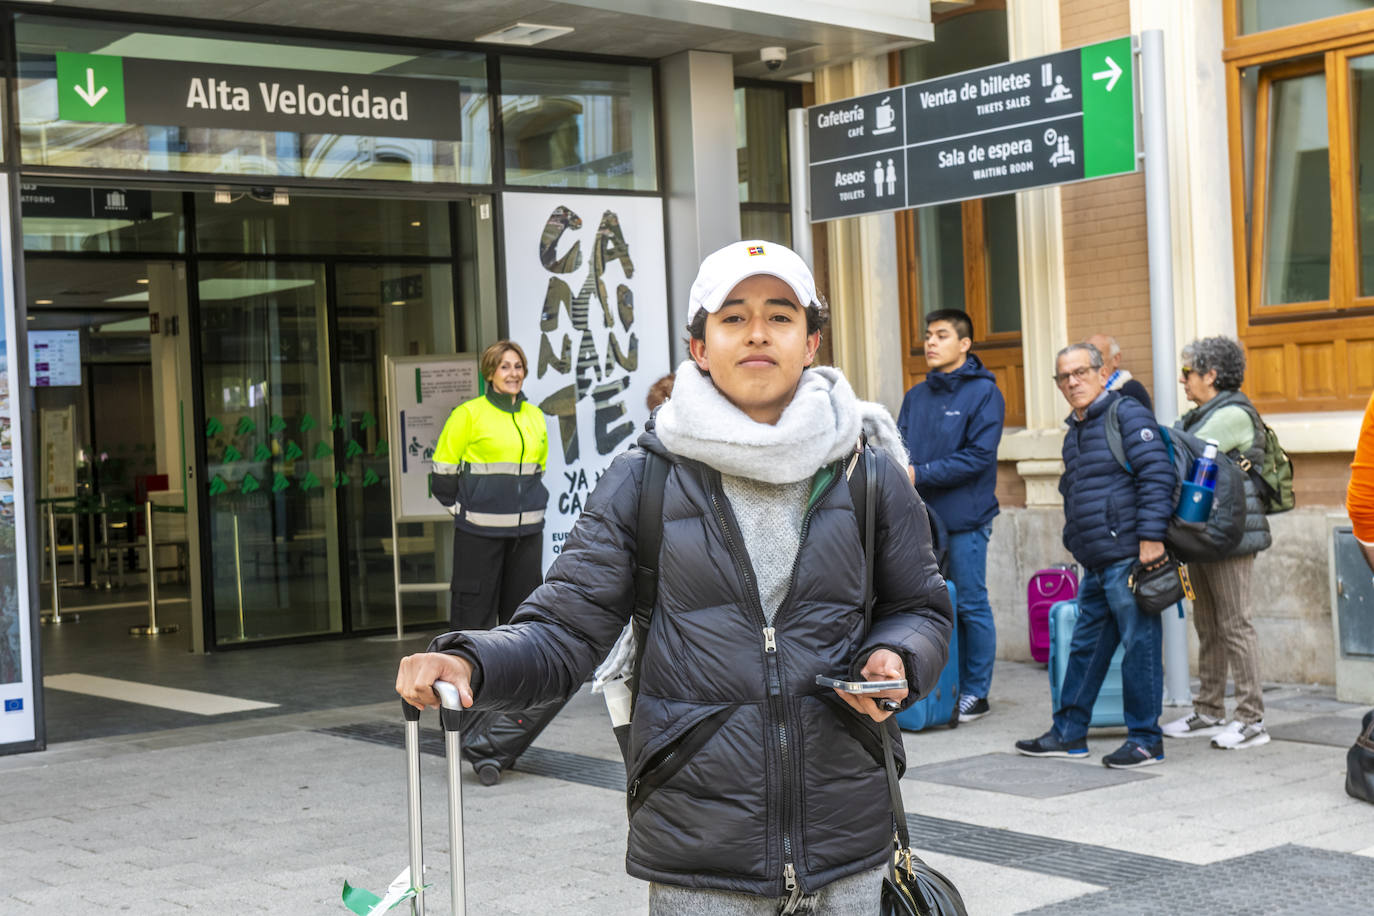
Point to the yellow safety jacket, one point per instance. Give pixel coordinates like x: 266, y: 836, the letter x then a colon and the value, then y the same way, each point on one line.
x: 489, y: 466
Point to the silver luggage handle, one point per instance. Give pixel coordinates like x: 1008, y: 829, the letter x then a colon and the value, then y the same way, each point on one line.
x: 451, y: 708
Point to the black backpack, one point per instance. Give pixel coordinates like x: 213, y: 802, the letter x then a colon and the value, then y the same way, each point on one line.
x: 1191, y: 541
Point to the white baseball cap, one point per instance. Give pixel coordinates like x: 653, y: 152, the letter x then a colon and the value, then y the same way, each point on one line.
x: 725, y: 268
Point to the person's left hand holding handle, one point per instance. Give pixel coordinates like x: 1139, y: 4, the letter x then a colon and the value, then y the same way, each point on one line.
x: 417, y: 674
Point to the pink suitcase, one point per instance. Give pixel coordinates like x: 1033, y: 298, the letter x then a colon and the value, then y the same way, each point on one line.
x: 1057, y: 583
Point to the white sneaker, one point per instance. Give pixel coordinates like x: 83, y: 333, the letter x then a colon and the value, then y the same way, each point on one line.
x: 1195, y: 726
x: 1238, y: 735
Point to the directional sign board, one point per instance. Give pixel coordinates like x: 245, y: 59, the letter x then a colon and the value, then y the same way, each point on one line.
x: 1042, y: 121
x: 109, y: 89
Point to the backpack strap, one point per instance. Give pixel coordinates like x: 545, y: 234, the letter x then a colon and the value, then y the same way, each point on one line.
x: 1114, y: 437
x: 856, y: 474
x: 648, y: 541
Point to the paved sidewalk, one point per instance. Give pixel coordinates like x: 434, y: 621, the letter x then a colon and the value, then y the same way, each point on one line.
x: 273, y: 813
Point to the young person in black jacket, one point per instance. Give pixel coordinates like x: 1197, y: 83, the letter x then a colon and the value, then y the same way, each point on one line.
x: 750, y: 788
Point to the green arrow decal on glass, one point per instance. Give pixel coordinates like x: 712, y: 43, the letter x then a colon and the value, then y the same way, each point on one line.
x: 310, y: 481
x: 276, y: 425
x: 352, y: 449
x: 368, y: 421
x: 338, y: 422
x: 293, y: 451
x: 322, y: 450
x: 307, y: 422
x: 231, y: 455
x: 250, y: 484
x: 90, y: 87
x: 213, y: 428
x: 218, y: 486
x: 262, y: 452
x: 280, y: 482
x: 381, y: 451
x: 370, y: 477
x: 340, y: 480
x: 246, y: 426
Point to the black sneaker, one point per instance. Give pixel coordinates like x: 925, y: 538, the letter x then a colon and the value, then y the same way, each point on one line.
x: 972, y: 708
x: 1050, y: 745
x: 1134, y: 754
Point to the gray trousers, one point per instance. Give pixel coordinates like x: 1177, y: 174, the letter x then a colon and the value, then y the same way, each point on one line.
x: 1225, y: 638
x: 855, y: 895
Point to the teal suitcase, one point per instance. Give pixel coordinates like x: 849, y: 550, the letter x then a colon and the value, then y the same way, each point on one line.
x: 941, y: 705
x: 1108, y: 710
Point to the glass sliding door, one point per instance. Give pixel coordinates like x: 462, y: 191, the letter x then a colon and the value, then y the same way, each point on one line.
x: 386, y: 310
x: 271, y: 436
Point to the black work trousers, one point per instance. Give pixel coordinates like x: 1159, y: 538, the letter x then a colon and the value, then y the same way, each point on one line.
x: 491, y: 576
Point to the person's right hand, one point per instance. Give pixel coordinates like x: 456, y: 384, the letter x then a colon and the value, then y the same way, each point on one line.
x: 417, y: 674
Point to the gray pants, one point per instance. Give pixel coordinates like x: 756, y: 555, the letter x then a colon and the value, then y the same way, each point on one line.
x: 1225, y: 638
x: 855, y: 895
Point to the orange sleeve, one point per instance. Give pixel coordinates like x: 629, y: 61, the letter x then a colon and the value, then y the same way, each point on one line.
x: 1359, y: 498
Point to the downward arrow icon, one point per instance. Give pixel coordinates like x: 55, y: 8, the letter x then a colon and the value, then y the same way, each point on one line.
x: 89, y: 92
x: 1111, y: 74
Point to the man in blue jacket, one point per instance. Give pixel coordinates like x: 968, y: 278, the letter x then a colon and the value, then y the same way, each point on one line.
x: 952, y: 423
x: 1112, y: 517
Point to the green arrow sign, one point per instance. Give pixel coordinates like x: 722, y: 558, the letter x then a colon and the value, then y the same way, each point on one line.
x: 1108, y: 108
x: 90, y: 87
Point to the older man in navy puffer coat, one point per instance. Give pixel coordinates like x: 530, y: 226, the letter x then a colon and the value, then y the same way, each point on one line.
x: 1112, y: 517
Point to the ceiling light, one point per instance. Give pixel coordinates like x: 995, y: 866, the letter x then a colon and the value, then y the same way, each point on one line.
x: 398, y: 302
x: 525, y: 34
x: 281, y: 197
x: 222, y: 196
x: 32, y: 317
x: 415, y: 223
x: 42, y: 302
x: 141, y: 280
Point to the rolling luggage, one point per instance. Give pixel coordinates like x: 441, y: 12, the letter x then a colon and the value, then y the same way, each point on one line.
x: 941, y: 705
x: 1056, y: 583
x: 499, y: 738
x: 448, y: 719
x: 1108, y: 710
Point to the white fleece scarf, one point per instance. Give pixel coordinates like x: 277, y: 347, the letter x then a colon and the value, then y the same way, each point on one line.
x: 819, y: 426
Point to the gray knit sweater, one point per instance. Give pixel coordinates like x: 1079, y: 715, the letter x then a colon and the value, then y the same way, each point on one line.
x: 770, y: 519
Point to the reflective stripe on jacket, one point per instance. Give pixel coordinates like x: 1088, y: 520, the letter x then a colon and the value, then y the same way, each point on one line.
x: 489, y: 466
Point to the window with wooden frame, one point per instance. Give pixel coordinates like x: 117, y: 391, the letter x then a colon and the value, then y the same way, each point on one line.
x: 1300, y: 98
x: 963, y: 255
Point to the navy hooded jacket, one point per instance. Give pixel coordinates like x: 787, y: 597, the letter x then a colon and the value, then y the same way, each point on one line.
x: 1107, y: 510
x: 952, y: 424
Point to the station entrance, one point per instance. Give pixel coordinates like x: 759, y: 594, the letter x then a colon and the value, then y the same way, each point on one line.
x: 218, y: 352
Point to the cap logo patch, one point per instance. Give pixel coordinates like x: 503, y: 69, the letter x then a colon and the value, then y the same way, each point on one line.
x: 755, y: 250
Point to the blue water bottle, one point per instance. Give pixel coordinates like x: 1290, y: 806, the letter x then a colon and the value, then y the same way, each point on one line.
x: 1195, y: 502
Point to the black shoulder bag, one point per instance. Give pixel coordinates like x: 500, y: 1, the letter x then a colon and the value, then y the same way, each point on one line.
x: 911, y: 887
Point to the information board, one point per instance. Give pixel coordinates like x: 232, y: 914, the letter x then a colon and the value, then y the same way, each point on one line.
x: 422, y: 392
x: 1031, y: 123
x: 54, y: 359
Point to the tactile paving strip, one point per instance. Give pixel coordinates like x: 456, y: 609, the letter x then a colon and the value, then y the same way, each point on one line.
x: 1030, y: 777
x: 537, y: 761
x: 1285, y: 879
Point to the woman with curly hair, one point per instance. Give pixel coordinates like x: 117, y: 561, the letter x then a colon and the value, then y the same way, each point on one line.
x: 1212, y: 370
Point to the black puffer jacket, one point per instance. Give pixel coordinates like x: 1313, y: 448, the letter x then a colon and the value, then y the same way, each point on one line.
x: 742, y: 769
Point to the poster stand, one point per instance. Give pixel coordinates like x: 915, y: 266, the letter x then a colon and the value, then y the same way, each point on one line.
x: 421, y: 392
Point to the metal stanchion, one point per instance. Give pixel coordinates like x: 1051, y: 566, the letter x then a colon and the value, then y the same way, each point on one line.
x: 238, y: 572
x: 152, y: 629
x: 55, y: 618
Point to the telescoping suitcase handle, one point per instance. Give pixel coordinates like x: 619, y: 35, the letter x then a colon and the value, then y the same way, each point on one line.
x: 450, y: 709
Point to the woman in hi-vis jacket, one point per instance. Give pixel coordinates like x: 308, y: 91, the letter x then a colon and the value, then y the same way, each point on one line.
x: 489, y: 470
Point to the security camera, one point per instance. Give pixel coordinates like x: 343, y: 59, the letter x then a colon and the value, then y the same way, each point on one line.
x: 773, y: 57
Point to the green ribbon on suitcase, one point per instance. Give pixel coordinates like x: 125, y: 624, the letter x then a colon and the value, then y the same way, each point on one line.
x: 363, y: 902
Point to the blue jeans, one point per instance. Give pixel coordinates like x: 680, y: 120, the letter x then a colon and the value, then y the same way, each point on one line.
x: 1108, y: 616
x: 968, y: 569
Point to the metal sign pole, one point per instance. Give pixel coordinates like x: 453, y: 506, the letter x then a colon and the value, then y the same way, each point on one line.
x: 55, y: 618
x: 1159, y: 234
x: 152, y: 629
x: 801, y: 185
